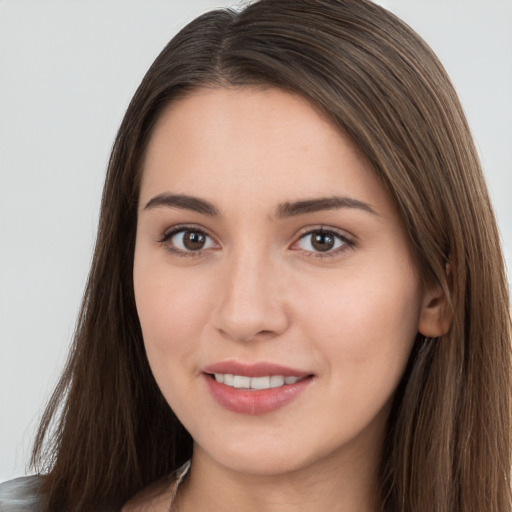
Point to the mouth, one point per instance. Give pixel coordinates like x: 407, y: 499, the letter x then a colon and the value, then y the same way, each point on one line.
x: 256, y: 388
x: 255, y: 383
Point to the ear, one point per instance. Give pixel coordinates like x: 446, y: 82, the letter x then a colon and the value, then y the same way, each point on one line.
x: 436, y: 312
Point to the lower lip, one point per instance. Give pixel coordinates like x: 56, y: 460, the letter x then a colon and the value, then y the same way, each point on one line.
x: 254, y: 402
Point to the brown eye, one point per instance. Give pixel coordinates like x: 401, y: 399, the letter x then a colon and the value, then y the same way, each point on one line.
x: 187, y: 240
x: 194, y: 241
x: 320, y: 242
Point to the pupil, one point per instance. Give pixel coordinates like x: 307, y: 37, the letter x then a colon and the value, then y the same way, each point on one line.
x: 193, y: 241
x: 323, y: 242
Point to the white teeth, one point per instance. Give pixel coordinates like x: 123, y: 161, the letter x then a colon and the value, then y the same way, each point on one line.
x: 243, y: 382
x: 276, y: 381
x: 260, y: 382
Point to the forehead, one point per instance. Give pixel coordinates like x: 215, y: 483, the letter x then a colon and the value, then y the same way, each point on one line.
x: 257, y: 144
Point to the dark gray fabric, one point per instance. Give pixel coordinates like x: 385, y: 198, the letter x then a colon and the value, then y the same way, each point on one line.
x: 20, y: 495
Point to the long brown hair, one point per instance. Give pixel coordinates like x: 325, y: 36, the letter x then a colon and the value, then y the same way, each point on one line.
x: 107, y: 431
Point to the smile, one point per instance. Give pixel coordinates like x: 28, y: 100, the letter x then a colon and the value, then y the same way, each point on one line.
x: 255, y: 388
x: 244, y: 382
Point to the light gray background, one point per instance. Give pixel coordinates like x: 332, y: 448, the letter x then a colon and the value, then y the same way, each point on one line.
x: 67, y: 71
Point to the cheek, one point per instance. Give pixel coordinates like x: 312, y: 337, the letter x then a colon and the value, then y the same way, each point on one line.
x: 363, y: 334
x: 365, y: 323
x: 172, y: 311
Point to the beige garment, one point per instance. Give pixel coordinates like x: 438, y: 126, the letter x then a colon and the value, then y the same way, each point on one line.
x: 179, y: 476
x: 161, y: 495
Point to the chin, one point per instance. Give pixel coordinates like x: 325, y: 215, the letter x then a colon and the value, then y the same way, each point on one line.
x: 262, y: 464
x: 267, y: 459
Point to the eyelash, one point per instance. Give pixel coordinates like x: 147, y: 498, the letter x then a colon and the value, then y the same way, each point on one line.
x: 168, y: 235
x: 346, y: 243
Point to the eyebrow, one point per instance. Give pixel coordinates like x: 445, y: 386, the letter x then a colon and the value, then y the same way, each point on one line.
x: 183, y: 202
x: 284, y: 210
x: 321, y: 204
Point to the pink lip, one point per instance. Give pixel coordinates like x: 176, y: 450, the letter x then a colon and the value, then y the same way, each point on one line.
x: 254, y: 402
x: 260, y: 369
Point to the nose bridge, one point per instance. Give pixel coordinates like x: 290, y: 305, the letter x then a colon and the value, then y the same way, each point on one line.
x: 250, y: 303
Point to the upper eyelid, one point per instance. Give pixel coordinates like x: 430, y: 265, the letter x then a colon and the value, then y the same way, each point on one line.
x: 343, y: 234
x: 173, y: 230
x: 302, y: 231
x: 326, y: 229
x: 346, y: 240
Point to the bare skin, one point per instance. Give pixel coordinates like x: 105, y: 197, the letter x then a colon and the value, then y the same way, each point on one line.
x: 245, y: 272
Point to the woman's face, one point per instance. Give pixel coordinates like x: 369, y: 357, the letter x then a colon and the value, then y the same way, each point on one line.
x: 269, y: 257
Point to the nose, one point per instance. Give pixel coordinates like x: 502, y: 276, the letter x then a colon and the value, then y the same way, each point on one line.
x: 251, y: 303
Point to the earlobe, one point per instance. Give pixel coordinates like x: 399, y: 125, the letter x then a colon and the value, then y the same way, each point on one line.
x: 436, y: 311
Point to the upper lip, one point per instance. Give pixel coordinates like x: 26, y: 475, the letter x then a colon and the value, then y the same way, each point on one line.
x: 256, y: 369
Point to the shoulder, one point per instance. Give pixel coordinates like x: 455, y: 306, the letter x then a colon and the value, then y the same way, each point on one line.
x: 155, y: 497
x: 20, y: 494
x: 160, y: 495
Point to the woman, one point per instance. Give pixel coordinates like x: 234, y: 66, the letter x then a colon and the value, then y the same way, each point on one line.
x: 297, y: 284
